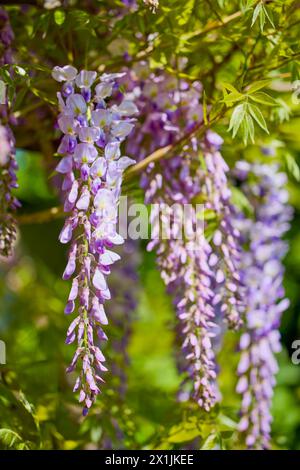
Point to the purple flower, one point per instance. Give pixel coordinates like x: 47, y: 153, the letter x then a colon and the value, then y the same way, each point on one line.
x: 92, y: 189
x: 196, y: 279
x: 8, y: 164
x: 262, y: 274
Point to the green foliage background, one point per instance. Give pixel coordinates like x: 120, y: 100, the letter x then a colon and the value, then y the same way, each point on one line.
x: 230, y: 46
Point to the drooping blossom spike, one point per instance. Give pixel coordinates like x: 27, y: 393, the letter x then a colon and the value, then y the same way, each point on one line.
x: 8, y: 164
x: 262, y: 274
x: 226, y: 239
x: 168, y: 110
x: 6, y: 38
x: 8, y: 182
x: 92, y: 169
x: 184, y: 267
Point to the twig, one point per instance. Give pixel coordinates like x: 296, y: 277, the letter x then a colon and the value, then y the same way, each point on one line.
x: 213, y: 25
x: 41, y: 216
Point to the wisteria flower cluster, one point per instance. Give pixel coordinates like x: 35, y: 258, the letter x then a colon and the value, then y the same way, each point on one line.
x: 226, y: 239
x: 189, y: 278
x: 206, y: 280
x: 92, y: 166
x: 8, y: 164
x: 8, y: 182
x: 262, y: 273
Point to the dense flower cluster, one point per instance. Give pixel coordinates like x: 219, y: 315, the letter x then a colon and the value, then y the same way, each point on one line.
x: 262, y: 272
x: 8, y: 181
x: 186, y: 271
x: 8, y: 164
x: 199, y: 279
x: 6, y: 38
x: 92, y: 167
x: 226, y: 239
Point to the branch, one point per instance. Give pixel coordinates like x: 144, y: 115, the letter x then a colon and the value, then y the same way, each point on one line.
x: 213, y: 25
x: 41, y: 216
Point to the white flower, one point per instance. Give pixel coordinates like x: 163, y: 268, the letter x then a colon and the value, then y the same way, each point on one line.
x: 110, y: 77
x: 85, y: 79
x: 126, y: 108
x: 112, y: 151
x: 64, y: 74
x: 76, y: 103
x: 121, y: 129
x: 103, y: 90
x: 50, y: 4
x: 4, y: 146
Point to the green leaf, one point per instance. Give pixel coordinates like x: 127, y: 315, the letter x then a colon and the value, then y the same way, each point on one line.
x: 183, y: 433
x: 268, y: 16
x: 255, y: 86
x: 233, y: 97
x: 229, y: 87
x: 59, y: 17
x: 10, y: 438
x: 247, y: 5
x: 256, y: 12
x: 239, y: 199
x: 237, y: 118
x: 263, y: 98
x: 258, y: 116
x: 247, y: 128
x: 210, y: 442
x: 292, y: 166
x: 262, y: 19
x: 209, y: 214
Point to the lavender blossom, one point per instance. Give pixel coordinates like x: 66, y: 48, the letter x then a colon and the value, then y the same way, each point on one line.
x: 93, y: 167
x: 186, y: 272
x: 8, y: 164
x: 168, y: 110
x: 262, y: 273
x: 6, y: 38
x: 226, y: 239
x: 8, y: 181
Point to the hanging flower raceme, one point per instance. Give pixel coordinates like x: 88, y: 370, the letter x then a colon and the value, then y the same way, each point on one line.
x: 8, y: 164
x: 92, y: 166
x: 8, y: 181
x: 262, y: 272
x: 226, y: 239
x: 169, y: 109
x: 184, y: 267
